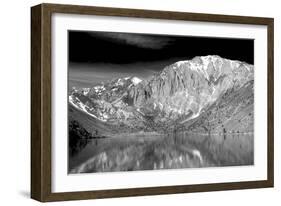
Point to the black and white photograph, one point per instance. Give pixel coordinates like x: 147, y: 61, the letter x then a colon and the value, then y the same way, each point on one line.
x: 155, y: 101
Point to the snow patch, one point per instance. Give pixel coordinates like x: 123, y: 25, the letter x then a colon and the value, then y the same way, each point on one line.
x: 206, y: 60
x: 179, y: 63
x: 86, y: 91
x: 136, y: 80
x: 119, y: 82
x: 160, y: 105
x: 79, y: 105
x: 99, y: 88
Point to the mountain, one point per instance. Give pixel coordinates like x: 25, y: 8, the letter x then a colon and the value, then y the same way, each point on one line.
x: 108, y: 102
x: 187, y: 87
x: 204, y: 94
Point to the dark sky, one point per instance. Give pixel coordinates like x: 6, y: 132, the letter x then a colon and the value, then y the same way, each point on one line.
x: 97, y: 56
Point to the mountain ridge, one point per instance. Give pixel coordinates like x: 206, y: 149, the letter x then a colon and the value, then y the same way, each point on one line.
x: 179, y: 93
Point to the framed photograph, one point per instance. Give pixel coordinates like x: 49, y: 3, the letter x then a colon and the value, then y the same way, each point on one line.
x: 130, y: 102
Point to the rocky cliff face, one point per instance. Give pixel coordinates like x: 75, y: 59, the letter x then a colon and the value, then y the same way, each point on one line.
x: 186, y: 87
x: 180, y: 93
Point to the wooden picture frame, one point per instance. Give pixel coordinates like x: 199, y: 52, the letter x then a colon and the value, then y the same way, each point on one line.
x: 41, y: 116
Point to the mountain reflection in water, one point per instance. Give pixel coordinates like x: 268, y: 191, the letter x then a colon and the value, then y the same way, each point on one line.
x: 154, y: 151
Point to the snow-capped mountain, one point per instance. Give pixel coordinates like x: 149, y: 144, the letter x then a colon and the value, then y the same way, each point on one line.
x: 106, y: 101
x: 111, y: 90
x: 187, y: 87
x: 181, y: 92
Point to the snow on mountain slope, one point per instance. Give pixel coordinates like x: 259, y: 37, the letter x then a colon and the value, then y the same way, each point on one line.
x: 181, y: 91
x: 79, y: 105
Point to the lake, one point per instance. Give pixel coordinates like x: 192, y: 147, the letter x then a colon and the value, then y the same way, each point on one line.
x: 131, y: 152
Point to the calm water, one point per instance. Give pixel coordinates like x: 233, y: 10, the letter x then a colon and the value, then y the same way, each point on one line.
x: 152, y: 151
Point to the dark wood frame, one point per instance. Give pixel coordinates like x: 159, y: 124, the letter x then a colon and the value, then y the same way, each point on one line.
x: 41, y: 101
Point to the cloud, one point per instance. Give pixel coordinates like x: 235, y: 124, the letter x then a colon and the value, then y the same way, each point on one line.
x: 138, y: 40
